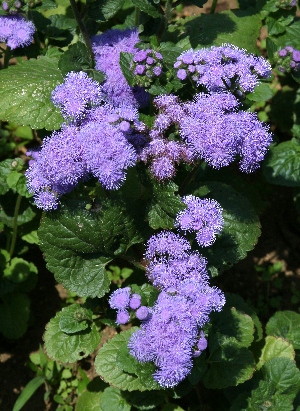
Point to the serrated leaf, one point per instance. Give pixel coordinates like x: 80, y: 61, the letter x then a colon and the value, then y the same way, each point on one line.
x: 14, y: 315
x: 18, y: 270
x: 229, y: 363
x: 112, y: 399
x: 232, y: 323
x: 275, y: 347
x: 110, y: 370
x: 232, y: 26
x: 25, y: 91
x: 241, y: 227
x: 145, y: 400
x: 164, y: 205
x: 76, y: 58
x: 78, y: 243
x: 8, y: 202
x: 282, y: 374
x: 262, y: 92
x: 125, y: 63
x: 146, y: 7
x: 75, y: 318
x: 282, y: 164
x: 285, y: 324
x: 69, y: 347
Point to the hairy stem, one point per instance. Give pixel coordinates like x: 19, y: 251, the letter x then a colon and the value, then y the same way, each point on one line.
x: 7, y: 56
x: 15, y: 229
x: 81, y: 26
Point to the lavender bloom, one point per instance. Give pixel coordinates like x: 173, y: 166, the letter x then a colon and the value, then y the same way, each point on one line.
x: 166, y: 244
x: 287, y: 59
x: 76, y: 94
x: 122, y: 317
x: 107, y: 48
x: 146, y: 66
x: 106, y: 153
x: 218, y: 134
x: 222, y: 68
x: 57, y: 169
x: 142, y: 313
x: 120, y: 298
x: 16, y: 31
x: 135, y: 301
x: 203, y: 216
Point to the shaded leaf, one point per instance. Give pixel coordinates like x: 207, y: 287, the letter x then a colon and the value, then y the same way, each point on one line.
x: 285, y: 324
x: 275, y: 347
x: 14, y: 315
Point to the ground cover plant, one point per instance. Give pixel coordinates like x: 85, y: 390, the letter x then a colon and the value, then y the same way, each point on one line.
x: 139, y: 151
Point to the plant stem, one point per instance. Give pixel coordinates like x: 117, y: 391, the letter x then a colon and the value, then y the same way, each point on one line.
x: 81, y: 26
x: 14, y: 235
x: 213, y: 6
x: 7, y: 56
x: 165, y: 20
x: 137, y: 16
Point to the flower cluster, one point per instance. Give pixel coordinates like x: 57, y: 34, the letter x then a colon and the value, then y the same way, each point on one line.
x: 11, y: 6
x: 203, y: 216
x: 124, y: 301
x: 146, y: 66
x: 170, y: 334
x: 16, y: 31
x: 107, y: 48
x: 286, y: 4
x: 75, y: 95
x: 222, y: 68
x: 287, y: 59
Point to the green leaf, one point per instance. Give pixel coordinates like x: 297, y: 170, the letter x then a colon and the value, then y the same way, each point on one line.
x: 285, y: 324
x: 27, y: 212
x: 69, y: 347
x: 241, y: 227
x: 14, y: 315
x: 112, y: 399
x: 110, y: 365
x: 275, y: 347
x: 76, y: 58
x: 18, y: 270
x: 17, y: 182
x: 125, y: 63
x: 89, y: 401
x: 164, y: 205
x: 170, y: 52
x: 232, y: 26
x: 146, y: 400
x: 229, y: 363
x: 78, y: 243
x: 25, y: 91
x: 6, y: 168
x: 74, y: 318
x: 282, y: 164
x: 102, y: 10
x: 282, y: 374
x: 232, y: 323
x: 146, y: 7
x: 28, y: 392
x: 262, y: 92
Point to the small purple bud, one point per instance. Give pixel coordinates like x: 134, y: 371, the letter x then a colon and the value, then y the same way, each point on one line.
x: 139, y: 69
x: 202, y: 343
x: 157, y: 71
x: 282, y: 53
x: 181, y: 74
x: 122, y: 317
x: 289, y: 48
x: 292, y: 64
x: 124, y: 125
x: 135, y: 301
x: 142, y: 313
x: 296, y: 55
x: 18, y: 4
x: 150, y: 60
x: 4, y: 6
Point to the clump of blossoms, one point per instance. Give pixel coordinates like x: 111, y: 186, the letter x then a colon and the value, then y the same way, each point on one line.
x: 16, y: 31
x: 170, y: 334
x: 286, y: 4
x: 287, y: 59
x: 222, y: 68
x: 146, y: 65
x: 11, y: 6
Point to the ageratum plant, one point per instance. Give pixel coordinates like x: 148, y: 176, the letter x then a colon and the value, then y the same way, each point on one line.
x: 150, y: 131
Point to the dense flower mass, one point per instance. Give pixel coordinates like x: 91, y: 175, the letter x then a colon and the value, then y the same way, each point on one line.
x: 222, y: 68
x: 16, y: 31
x: 287, y: 59
x: 203, y: 216
x: 146, y: 66
x: 75, y: 94
x: 107, y: 48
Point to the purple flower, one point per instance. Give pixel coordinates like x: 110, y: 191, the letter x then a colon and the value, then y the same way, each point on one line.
x: 224, y: 67
x: 135, y: 301
x: 203, y: 216
x: 166, y: 244
x: 142, y: 313
x: 120, y: 298
x: 16, y: 31
x: 57, y: 169
x: 76, y: 94
x: 122, y: 317
x: 151, y: 67
x: 107, y: 48
x: 106, y: 153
